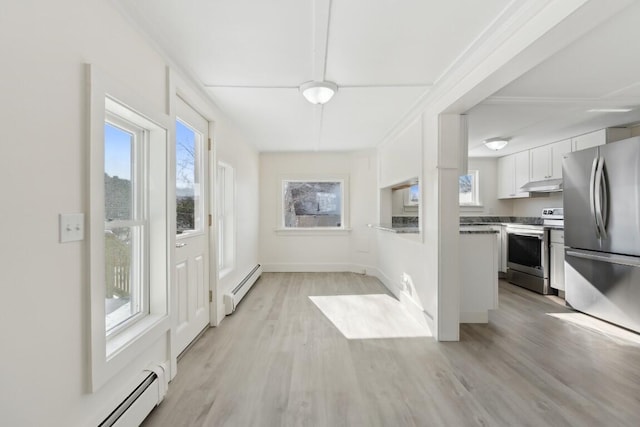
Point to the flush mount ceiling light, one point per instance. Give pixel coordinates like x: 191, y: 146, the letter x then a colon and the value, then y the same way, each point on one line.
x: 496, y: 143
x: 318, y: 92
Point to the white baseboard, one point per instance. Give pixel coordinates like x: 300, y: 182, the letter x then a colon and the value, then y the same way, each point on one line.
x: 312, y: 268
x: 414, y: 309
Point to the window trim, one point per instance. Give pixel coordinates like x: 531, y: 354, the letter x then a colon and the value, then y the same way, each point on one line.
x: 226, y: 218
x: 109, y: 355
x: 345, y: 211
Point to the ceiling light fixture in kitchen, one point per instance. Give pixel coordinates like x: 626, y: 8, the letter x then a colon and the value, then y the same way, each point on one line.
x: 496, y: 143
x: 318, y: 92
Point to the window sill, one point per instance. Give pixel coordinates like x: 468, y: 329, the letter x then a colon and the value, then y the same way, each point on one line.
x: 472, y: 207
x: 117, y: 343
x: 326, y: 231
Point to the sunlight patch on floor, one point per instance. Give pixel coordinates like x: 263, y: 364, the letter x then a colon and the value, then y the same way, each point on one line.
x: 369, y: 316
x: 619, y: 335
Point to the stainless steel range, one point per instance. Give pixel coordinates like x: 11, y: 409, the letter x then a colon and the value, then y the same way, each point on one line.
x: 528, y: 252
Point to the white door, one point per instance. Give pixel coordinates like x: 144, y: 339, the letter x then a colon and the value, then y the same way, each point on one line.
x: 192, y: 224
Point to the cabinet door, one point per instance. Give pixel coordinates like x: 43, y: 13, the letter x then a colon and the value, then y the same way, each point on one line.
x: 556, y: 258
x: 558, y: 149
x: 521, y: 172
x: 540, y: 163
x: 506, y: 177
x: 589, y: 140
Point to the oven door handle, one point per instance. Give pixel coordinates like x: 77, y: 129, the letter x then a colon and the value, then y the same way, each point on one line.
x: 518, y: 233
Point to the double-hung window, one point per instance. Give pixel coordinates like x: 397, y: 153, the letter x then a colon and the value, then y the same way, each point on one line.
x: 126, y: 235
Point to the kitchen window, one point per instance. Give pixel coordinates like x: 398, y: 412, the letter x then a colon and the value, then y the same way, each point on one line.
x: 314, y: 204
x: 469, y: 189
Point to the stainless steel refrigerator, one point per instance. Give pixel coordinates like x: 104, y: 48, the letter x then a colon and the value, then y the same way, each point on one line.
x: 602, y: 231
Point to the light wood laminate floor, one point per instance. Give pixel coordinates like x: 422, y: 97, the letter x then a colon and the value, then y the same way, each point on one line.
x: 278, y: 361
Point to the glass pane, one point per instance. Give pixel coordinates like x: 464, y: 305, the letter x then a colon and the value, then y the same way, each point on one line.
x: 188, y: 185
x: 312, y: 204
x: 118, y: 200
x: 123, y: 285
x: 466, y: 183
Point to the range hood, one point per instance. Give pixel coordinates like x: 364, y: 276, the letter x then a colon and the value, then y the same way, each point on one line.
x: 545, y: 186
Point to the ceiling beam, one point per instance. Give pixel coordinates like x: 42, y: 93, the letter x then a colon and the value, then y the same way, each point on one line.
x: 321, y: 20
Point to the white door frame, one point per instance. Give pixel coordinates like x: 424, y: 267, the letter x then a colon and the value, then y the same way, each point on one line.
x: 178, y: 87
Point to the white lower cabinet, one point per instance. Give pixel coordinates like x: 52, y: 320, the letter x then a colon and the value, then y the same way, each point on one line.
x: 478, y: 277
x: 556, y: 260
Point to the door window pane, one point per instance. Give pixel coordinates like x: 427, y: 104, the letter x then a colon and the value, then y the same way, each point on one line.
x: 188, y: 183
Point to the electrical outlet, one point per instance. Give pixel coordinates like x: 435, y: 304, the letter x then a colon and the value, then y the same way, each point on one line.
x: 71, y: 227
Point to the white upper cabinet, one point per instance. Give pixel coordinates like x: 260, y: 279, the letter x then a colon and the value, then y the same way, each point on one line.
x: 558, y: 149
x: 506, y: 177
x: 546, y: 161
x: 513, y: 173
x: 540, y: 159
x: 599, y: 137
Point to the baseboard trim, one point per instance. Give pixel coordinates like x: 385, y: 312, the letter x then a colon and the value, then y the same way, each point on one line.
x: 415, y: 310
x: 312, y: 268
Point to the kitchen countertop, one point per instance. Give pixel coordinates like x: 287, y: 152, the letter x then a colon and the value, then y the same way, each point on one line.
x: 486, y: 221
x: 474, y: 229
x: 395, y: 229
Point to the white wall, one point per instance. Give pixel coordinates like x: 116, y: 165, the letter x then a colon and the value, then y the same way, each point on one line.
x: 318, y: 251
x: 44, y: 311
x: 400, y: 159
x: 406, y: 255
x: 245, y: 161
x: 487, y: 168
x: 533, y: 206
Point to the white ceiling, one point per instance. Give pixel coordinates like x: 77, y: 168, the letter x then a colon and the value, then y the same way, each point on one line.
x: 550, y: 102
x: 252, y: 55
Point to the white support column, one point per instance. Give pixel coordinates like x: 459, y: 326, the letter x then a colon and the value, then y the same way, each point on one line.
x: 442, y: 137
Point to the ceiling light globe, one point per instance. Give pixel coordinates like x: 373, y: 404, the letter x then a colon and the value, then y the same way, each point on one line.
x: 318, y: 92
x: 496, y: 143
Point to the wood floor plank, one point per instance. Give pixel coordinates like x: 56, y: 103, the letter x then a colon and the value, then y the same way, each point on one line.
x: 278, y: 361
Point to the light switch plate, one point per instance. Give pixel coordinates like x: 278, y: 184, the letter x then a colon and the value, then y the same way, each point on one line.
x: 71, y: 227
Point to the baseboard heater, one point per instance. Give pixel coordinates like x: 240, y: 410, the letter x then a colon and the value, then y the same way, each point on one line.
x: 137, y: 405
x: 232, y: 299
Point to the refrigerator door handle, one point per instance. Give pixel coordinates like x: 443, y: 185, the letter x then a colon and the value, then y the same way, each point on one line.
x: 592, y: 195
x: 608, y: 258
x: 600, y: 197
x: 605, y: 200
